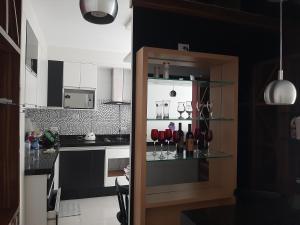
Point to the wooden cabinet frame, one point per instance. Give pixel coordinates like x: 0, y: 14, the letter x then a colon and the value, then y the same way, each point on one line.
x: 161, y: 205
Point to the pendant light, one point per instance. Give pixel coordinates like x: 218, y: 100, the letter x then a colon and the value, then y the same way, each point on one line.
x: 280, y: 92
x: 99, y: 11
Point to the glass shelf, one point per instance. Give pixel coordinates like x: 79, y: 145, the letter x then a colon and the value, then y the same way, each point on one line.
x: 202, y: 119
x: 171, y: 157
x: 201, y: 83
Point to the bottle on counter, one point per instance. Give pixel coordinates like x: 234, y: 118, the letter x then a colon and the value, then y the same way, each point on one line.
x: 189, y: 142
x: 180, y: 145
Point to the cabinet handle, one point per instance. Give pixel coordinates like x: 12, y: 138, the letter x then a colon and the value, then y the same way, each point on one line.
x: 5, y: 101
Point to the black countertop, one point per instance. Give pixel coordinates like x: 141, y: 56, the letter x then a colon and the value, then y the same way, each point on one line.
x: 101, y: 140
x: 43, y: 165
x: 267, y: 212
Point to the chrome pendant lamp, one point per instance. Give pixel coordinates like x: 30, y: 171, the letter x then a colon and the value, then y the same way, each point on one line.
x: 280, y: 92
x: 99, y: 11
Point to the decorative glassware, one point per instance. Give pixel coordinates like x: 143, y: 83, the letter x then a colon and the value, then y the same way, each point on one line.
x: 200, y: 107
x: 209, y: 107
x: 156, y: 71
x: 168, y: 137
x: 166, y: 107
x: 154, y: 137
x: 166, y: 70
x: 175, y: 140
x: 197, y: 136
x: 208, y: 138
x: 180, y: 109
x: 161, y: 139
x: 189, y: 109
x: 159, y: 109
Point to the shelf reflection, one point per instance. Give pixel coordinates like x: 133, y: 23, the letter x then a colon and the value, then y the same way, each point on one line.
x: 196, y: 156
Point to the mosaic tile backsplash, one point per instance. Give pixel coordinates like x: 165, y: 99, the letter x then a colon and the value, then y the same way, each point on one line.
x: 103, y: 120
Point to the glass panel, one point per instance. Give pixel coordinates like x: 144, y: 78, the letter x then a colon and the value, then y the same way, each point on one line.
x: 187, y: 119
x: 182, y: 82
x: 196, y: 156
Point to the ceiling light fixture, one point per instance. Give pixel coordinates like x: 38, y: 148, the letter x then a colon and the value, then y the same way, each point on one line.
x: 280, y: 92
x: 99, y: 11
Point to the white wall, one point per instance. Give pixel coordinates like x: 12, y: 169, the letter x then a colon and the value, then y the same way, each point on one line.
x: 102, y: 59
x: 28, y: 14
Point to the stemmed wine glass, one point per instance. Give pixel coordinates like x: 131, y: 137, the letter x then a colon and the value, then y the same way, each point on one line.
x: 197, y: 136
x: 168, y: 137
x: 208, y: 138
x: 161, y: 139
x: 154, y: 137
x: 189, y: 109
x: 180, y: 109
x: 200, y: 107
x: 209, y: 107
x: 175, y: 140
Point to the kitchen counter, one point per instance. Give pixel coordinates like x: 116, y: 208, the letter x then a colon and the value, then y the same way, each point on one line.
x: 43, y: 165
x: 101, y: 140
x: 247, y: 212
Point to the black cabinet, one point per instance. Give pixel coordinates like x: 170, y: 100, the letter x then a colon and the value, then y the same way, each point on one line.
x: 3, y: 14
x: 81, y: 173
x: 14, y: 20
x: 55, y: 83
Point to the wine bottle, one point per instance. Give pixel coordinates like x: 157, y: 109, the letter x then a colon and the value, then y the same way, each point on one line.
x: 189, y: 141
x: 180, y: 145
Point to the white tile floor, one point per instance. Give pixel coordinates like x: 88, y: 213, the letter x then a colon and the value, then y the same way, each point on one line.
x: 94, y: 211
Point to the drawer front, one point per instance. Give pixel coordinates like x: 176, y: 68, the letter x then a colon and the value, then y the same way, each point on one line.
x: 117, y: 153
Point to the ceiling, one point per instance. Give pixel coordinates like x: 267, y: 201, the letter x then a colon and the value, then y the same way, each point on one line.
x: 64, y: 26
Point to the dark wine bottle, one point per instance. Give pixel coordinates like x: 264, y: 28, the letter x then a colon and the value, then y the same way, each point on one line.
x: 189, y: 141
x: 180, y: 145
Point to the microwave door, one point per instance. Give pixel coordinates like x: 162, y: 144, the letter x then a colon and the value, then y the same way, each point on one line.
x: 75, y: 101
x: 90, y: 101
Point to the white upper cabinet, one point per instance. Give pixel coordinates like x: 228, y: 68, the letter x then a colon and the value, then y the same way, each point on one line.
x: 72, y: 74
x: 30, y: 89
x: 80, y: 75
x: 88, y: 76
x: 127, y: 82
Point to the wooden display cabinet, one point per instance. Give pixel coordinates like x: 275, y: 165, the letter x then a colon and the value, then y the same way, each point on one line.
x: 162, y: 204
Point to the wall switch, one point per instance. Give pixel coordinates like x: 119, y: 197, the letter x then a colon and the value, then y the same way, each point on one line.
x: 183, y: 47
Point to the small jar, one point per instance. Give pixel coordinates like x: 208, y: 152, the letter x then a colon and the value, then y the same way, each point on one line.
x: 166, y: 70
x: 156, y: 71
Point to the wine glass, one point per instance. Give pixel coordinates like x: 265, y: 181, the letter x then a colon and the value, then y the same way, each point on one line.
x: 197, y: 136
x: 175, y: 140
x: 180, y: 109
x: 208, y: 138
x: 161, y: 139
x: 154, y: 137
x: 189, y: 109
x: 200, y: 107
x: 209, y: 107
x: 168, y: 137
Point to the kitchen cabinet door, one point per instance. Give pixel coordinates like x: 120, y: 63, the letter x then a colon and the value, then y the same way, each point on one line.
x: 88, y: 76
x: 14, y: 20
x: 55, y: 83
x: 3, y: 14
x: 31, y: 89
x: 71, y: 74
x: 81, y: 173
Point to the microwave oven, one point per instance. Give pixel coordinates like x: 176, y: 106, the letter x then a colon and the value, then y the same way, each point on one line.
x: 79, y: 99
